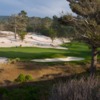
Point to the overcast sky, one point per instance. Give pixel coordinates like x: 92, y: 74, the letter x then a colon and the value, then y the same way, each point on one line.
x: 40, y: 8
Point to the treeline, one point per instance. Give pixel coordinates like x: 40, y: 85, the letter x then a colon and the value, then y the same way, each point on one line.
x: 34, y: 24
x: 3, y: 22
x: 45, y: 26
x: 39, y: 25
x: 49, y: 27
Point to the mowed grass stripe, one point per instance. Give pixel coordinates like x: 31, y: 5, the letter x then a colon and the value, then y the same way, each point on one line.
x: 75, y: 49
x: 28, y: 53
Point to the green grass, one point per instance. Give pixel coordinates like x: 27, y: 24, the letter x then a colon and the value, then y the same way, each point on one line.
x: 25, y: 92
x: 41, y: 90
x: 27, y: 53
x: 79, y: 49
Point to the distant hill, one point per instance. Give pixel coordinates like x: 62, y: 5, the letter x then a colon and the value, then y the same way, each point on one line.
x: 4, y: 18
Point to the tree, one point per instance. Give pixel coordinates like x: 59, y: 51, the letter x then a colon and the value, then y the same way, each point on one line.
x: 18, y: 23
x: 34, y: 23
x: 87, y: 25
x: 62, y: 30
x: 22, y: 35
x: 12, y: 24
x: 46, y: 22
x: 52, y: 34
x: 40, y: 25
x: 22, y: 24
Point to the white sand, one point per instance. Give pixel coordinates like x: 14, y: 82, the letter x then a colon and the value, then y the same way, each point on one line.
x: 7, y: 40
x: 58, y: 59
x: 3, y: 60
x: 7, y: 32
x: 30, y: 40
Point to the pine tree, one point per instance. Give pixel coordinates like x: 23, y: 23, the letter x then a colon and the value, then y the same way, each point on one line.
x: 87, y: 25
x: 18, y: 23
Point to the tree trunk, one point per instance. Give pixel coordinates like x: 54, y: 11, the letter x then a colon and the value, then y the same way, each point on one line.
x: 15, y: 28
x: 15, y: 34
x: 93, y: 61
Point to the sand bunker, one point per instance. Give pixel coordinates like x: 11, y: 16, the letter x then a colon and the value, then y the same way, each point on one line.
x: 58, y: 59
x: 3, y: 60
x: 34, y: 40
x: 31, y: 39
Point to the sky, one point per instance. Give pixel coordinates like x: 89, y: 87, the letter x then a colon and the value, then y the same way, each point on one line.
x: 39, y: 8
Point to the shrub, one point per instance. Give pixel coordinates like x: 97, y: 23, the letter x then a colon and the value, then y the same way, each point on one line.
x: 20, y: 78
x: 23, y: 78
x: 12, y: 61
x: 17, y: 59
x: 28, y: 78
x: 22, y: 35
x: 77, y: 90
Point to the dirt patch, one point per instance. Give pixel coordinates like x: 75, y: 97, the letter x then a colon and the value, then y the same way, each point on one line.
x: 9, y: 72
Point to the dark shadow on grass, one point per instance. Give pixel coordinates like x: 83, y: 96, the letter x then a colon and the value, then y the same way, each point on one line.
x: 84, y: 54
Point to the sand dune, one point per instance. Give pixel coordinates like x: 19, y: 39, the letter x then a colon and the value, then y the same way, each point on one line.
x: 31, y: 39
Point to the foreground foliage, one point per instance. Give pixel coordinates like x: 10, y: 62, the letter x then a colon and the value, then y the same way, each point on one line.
x: 23, y: 78
x: 41, y: 90
x: 77, y: 90
x: 86, y: 24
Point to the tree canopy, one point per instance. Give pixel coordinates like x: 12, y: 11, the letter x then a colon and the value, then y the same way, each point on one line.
x: 86, y: 24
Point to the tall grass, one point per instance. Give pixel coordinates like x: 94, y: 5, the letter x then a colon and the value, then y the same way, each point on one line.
x: 77, y: 90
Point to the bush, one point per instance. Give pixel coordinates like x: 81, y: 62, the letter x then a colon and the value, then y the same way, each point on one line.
x: 12, y: 61
x: 22, y: 35
x: 20, y: 78
x: 23, y: 78
x: 77, y: 90
x: 28, y: 78
x: 17, y: 59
